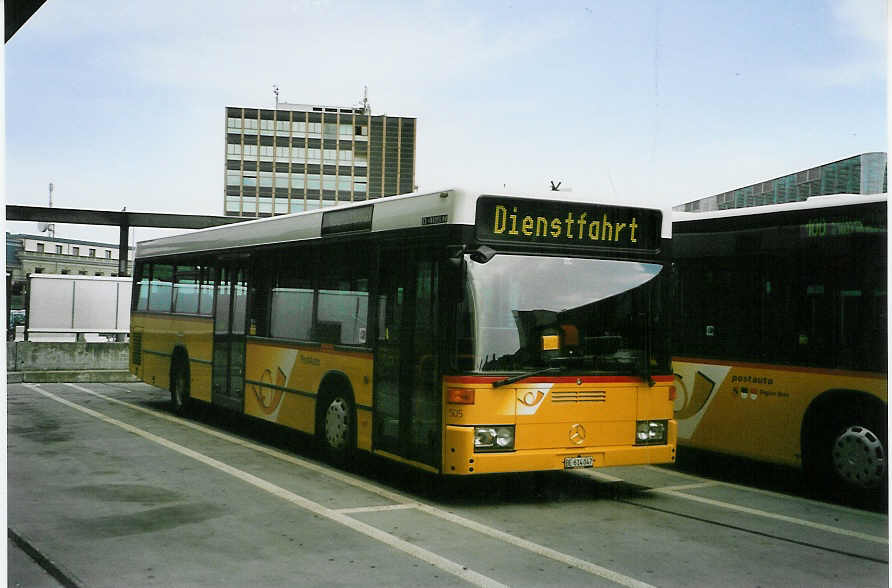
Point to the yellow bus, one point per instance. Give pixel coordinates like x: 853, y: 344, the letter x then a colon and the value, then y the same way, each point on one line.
x: 780, y: 336
x: 461, y: 333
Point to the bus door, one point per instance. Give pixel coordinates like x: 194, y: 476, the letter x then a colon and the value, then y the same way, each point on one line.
x: 229, y: 337
x: 407, y: 402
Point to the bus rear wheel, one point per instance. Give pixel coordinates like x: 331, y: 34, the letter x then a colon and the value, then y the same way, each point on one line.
x: 180, y: 399
x: 337, y: 427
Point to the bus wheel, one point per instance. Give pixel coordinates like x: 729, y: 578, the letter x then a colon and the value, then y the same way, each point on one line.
x: 848, y: 451
x: 337, y: 426
x: 859, y: 455
x: 179, y: 388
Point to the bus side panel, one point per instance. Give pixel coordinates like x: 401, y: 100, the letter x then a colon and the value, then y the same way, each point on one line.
x: 282, y: 383
x: 754, y: 410
x: 159, y: 335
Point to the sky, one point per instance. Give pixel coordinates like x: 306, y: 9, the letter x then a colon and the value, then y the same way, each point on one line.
x: 648, y: 101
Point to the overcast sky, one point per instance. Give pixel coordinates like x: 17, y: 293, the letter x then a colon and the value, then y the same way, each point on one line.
x: 660, y: 102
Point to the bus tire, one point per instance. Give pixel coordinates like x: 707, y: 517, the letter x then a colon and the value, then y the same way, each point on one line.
x: 849, y: 450
x: 180, y: 399
x: 337, y: 426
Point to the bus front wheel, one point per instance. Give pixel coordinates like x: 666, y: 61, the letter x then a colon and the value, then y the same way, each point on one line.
x: 850, y: 452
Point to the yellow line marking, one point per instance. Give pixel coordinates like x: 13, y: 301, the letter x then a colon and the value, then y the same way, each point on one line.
x: 541, y: 550
x: 444, y: 564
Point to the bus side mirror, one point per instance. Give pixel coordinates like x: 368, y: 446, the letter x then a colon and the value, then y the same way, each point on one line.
x: 452, y: 276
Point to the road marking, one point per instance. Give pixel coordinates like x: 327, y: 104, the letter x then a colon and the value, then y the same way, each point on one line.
x: 771, y: 515
x: 600, y: 476
x: 541, y: 550
x: 809, y: 501
x: 386, y: 507
x: 685, y: 487
x: 444, y: 564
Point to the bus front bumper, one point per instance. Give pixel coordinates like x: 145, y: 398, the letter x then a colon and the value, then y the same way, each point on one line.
x: 460, y: 458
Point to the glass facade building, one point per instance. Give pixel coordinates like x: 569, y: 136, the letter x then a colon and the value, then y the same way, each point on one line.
x: 861, y: 174
x: 301, y: 157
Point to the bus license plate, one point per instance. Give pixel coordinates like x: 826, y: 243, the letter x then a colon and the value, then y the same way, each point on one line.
x: 577, y: 462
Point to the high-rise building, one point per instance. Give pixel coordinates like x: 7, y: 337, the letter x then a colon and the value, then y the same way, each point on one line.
x: 861, y: 174
x: 299, y: 157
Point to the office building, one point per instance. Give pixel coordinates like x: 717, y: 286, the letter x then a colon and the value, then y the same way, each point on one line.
x: 299, y: 157
x: 861, y: 174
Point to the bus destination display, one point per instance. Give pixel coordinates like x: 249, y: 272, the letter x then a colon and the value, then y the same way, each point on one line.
x: 523, y: 220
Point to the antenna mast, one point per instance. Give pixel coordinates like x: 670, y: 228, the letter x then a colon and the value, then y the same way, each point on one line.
x: 365, y: 100
x: 51, y: 227
x: 276, y: 92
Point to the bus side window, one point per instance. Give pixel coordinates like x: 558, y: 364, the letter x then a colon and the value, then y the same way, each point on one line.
x: 291, y: 300
x: 141, y: 295
x: 343, y: 298
x: 161, y: 288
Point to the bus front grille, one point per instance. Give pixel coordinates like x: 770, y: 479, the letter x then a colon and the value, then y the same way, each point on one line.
x: 583, y: 396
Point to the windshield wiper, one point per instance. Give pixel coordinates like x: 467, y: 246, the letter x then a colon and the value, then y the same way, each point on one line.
x: 519, y: 377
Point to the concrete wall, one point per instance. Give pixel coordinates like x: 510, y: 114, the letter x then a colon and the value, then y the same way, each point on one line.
x: 23, y: 356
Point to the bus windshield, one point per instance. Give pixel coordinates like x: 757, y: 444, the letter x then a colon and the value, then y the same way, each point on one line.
x: 596, y: 316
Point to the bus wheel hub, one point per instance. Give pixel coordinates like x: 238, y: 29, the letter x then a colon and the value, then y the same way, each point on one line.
x: 336, y: 424
x: 859, y: 457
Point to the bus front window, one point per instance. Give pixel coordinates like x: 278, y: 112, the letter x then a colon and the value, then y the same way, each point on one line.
x: 587, y: 315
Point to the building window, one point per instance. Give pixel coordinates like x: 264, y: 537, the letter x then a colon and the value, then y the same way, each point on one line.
x: 59, y: 249
x: 330, y: 155
x: 38, y: 270
x: 99, y: 274
x: 92, y: 252
x: 75, y: 250
x: 40, y: 248
x: 234, y: 123
x: 65, y: 272
x: 108, y: 253
x: 362, y: 130
x: 82, y: 273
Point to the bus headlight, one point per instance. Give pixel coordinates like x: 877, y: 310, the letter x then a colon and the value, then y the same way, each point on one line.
x: 651, y: 432
x: 494, y: 438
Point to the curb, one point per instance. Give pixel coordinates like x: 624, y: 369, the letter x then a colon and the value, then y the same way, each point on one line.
x: 54, y: 569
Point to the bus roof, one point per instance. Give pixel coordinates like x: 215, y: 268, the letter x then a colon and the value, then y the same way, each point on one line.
x: 814, y: 202
x: 448, y: 206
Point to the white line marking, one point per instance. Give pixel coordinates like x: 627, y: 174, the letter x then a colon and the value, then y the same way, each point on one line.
x: 771, y: 515
x: 386, y: 507
x: 790, y: 497
x: 389, y: 494
x: 685, y: 486
x: 600, y: 476
x: 444, y: 564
